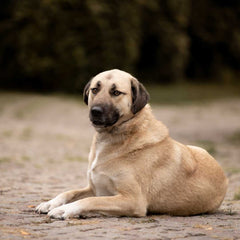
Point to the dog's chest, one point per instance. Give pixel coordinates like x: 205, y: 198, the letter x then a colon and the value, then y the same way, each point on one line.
x: 100, y: 179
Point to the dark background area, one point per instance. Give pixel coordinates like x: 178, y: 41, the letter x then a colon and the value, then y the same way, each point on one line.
x: 53, y: 45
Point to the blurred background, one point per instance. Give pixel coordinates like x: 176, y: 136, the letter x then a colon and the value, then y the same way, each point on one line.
x: 58, y: 45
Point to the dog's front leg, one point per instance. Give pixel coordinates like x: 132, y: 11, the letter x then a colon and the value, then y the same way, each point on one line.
x: 113, y: 205
x: 64, y: 198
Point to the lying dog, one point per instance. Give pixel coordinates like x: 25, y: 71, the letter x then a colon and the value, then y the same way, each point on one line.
x: 135, y: 168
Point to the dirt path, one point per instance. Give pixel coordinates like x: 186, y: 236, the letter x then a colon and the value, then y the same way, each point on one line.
x: 44, y: 143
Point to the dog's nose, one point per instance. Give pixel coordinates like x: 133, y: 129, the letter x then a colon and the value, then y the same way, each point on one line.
x: 96, y: 111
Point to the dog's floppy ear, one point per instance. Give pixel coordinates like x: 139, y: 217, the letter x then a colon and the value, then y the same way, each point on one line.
x: 86, y: 92
x: 140, y: 96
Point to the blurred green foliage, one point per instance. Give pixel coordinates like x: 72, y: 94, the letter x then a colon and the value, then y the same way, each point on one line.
x: 57, y: 45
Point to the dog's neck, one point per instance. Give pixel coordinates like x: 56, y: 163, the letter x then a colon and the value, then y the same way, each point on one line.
x: 141, y: 124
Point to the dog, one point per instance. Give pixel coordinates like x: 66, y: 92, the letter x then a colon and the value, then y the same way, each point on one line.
x: 135, y: 167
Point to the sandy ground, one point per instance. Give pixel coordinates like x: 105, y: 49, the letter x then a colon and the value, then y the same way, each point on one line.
x: 44, y: 143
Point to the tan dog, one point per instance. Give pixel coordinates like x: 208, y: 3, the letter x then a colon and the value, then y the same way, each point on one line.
x: 134, y: 166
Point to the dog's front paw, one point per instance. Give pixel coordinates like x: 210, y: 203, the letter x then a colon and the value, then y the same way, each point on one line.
x: 57, y: 213
x: 45, y: 207
x: 65, y: 211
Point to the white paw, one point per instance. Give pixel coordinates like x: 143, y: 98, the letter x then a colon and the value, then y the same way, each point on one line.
x: 65, y: 211
x: 45, y: 207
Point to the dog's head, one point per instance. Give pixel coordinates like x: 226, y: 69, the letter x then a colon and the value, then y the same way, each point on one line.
x: 114, y: 97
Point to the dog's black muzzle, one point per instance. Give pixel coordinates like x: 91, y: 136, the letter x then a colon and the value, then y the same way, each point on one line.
x: 103, y: 115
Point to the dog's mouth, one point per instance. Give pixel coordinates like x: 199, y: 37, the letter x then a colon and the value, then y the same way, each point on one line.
x: 103, y: 116
x: 103, y: 124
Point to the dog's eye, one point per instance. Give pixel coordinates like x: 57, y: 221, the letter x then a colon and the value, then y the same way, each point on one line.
x: 94, y: 90
x: 116, y: 93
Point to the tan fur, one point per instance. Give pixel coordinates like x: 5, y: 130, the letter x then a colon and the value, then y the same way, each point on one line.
x: 135, y: 167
